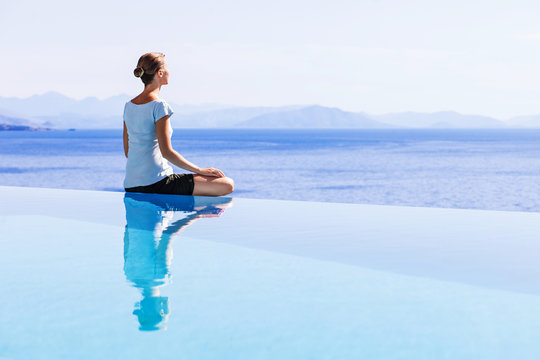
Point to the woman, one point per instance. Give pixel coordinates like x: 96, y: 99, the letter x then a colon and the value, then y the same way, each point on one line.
x: 147, y: 142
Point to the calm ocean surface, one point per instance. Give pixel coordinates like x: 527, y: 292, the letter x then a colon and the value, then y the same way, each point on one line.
x: 475, y: 169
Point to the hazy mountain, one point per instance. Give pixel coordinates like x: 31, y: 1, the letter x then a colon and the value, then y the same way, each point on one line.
x: 9, y: 113
x: 4, y: 119
x: 225, y: 118
x: 15, y: 123
x: 78, y: 121
x: 314, y: 116
x: 529, y: 121
x: 53, y: 103
x: 187, y: 109
x: 58, y: 111
x: 50, y: 103
x: 441, y: 119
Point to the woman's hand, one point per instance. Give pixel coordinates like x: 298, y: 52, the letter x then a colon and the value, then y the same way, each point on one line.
x: 210, y: 172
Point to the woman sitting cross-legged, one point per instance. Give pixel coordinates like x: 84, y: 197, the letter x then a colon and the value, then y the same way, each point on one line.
x: 147, y: 142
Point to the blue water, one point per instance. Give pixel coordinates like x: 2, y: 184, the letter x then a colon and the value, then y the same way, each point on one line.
x: 108, y: 275
x: 475, y: 169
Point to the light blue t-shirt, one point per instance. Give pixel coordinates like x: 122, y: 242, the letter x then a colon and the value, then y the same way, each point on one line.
x: 145, y: 164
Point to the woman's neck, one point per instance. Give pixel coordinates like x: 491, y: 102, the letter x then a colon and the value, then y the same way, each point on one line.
x: 151, y: 91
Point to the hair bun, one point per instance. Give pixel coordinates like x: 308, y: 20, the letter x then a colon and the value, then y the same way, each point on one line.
x: 138, y: 72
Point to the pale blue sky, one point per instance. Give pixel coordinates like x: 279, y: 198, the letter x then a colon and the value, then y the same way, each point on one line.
x: 478, y: 57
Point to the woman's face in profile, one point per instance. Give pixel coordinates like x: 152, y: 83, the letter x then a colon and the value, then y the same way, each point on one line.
x: 164, y: 80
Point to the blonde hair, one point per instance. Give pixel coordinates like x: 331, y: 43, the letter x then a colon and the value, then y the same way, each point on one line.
x: 148, y: 65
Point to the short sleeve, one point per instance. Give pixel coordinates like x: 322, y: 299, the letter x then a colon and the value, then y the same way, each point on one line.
x: 162, y: 109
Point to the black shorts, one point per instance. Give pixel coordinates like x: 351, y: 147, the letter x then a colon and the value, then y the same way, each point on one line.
x: 177, y: 184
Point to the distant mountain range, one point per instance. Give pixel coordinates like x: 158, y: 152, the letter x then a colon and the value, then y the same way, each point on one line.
x: 54, y: 110
x: 441, y: 119
x: 314, y: 116
x: 14, y: 123
x: 226, y: 117
x: 529, y: 121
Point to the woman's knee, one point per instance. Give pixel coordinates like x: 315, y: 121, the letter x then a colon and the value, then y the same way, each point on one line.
x: 224, y: 186
x: 211, y: 186
x: 228, y: 185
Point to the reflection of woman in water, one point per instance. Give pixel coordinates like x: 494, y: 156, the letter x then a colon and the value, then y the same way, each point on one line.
x: 147, y: 142
x: 152, y: 221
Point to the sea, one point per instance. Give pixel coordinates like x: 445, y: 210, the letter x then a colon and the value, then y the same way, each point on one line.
x: 466, y: 169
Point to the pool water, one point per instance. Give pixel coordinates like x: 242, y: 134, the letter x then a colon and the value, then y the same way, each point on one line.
x: 103, y: 275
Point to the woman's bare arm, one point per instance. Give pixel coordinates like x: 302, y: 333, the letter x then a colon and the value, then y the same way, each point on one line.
x: 164, y: 141
x: 126, y: 141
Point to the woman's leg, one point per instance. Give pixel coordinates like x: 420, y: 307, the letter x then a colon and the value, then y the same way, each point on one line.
x: 212, y: 186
